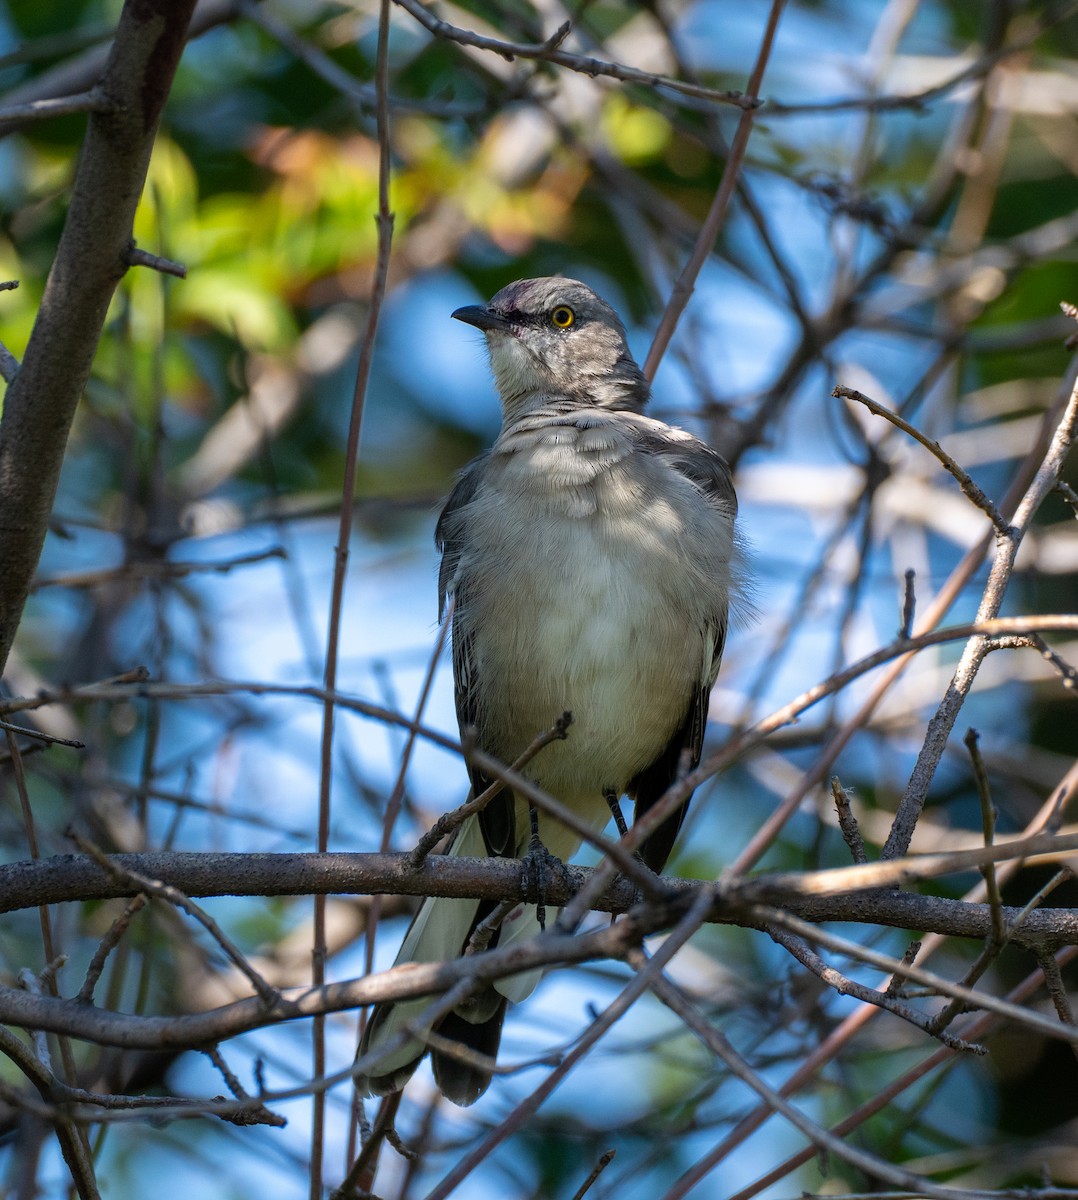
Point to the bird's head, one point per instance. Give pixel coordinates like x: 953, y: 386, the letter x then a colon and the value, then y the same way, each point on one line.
x: 554, y: 338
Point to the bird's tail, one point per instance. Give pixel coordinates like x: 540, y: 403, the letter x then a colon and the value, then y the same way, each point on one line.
x: 439, y: 932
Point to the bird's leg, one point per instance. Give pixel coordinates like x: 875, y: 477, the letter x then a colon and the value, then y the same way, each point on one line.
x: 538, y: 864
x: 611, y: 797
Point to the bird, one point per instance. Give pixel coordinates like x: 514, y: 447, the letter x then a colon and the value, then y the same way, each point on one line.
x: 590, y: 557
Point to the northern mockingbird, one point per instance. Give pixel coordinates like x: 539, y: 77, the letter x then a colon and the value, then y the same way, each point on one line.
x: 589, y: 554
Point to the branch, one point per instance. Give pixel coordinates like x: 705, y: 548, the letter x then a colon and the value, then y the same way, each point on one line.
x: 971, y: 490
x: 675, y: 999
x: 89, y: 263
x: 527, y: 1108
x: 144, y: 884
x: 838, y: 894
x: 82, y: 73
x: 412, y: 980
x: 548, y: 52
x: 679, y: 792
x: 709, y: 231
x: 939, y: 728
x: 384, y: 219
x: 92, y: 101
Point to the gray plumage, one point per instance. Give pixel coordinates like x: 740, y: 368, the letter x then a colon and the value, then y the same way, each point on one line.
x: 589, y: 552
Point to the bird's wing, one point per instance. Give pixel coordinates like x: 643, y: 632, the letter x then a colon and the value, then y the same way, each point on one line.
x: 497, y: 820
x: 710, y: 474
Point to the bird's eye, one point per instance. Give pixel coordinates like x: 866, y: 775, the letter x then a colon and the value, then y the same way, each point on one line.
x: 562, y: 316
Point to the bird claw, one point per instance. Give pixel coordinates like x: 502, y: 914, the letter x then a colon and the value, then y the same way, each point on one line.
x: 538, y: 866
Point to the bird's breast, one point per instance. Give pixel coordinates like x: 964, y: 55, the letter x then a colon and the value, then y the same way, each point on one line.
x: 577, y: 575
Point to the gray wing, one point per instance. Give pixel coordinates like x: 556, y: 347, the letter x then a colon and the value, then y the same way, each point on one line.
x: 451, y: 530
x: 497, y: 820
x: 710, y: 474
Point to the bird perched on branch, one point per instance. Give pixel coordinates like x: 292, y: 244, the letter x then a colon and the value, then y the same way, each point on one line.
x: 589, y: 557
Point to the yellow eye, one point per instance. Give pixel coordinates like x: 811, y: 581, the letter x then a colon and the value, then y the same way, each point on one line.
x: 563, y: 316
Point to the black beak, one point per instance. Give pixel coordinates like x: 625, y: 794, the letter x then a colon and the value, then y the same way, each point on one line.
x: 482, y: 318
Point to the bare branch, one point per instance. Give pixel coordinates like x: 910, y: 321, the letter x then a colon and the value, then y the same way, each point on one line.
x: 107, y: 944
x: 988, y: 822
x: 384, y: 224
x: 940, y: 726
x: 847, y: 822
x: 548, y: 52
x: 967, y: 485
x: 137, y: 257
x: 41, y: 400
x: 138, y: 882
x: 840, y: 893
x: 709, y: 231
x: 605, y: 1159
x: 450, y: 821
x: 909, y: 603
x: 884, y: 1000
x: 40, y: 736
x: 155, y: 569
x: 92, y: 101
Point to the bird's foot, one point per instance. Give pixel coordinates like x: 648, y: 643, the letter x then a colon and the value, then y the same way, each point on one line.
x: 538, y: 867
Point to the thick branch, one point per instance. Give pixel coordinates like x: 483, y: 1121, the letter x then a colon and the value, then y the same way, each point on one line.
x: 843, y: 894
x: 90, y: 262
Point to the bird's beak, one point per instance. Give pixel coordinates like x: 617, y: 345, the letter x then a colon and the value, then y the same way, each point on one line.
x: 482, y: 318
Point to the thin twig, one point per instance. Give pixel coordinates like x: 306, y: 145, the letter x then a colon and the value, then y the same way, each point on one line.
x: 1069, y: 494
x: 847, y: 822
x: 961, y: 476
x: 73, y: 1141
x: 897, y: 983
x: 137, y: 257
x: 93, y: 101
x: 384, y: 225
x: 909, y: 603
x: 257, y: 1113
x: 713, y: 222
x: 988, y: 824
x: 451, y: 820
x: 547, y: 51
x: 885, y: 1000
x: 107, y: 944
x: 527, y: 1108
x: 172, y: 895
x: 1057, y: 989
x: 348, y: 1189
x: 40, y: 736
x: 605, y: 1159
x: 917, y: 101
x: 1067, y: 673
x: 942, y: 722
x: 994, y: 944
